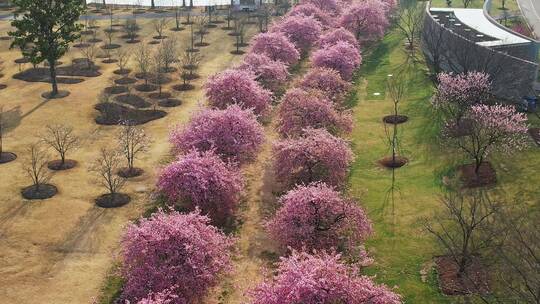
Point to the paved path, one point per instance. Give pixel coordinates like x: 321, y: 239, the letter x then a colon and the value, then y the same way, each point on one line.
x: 531, y: 11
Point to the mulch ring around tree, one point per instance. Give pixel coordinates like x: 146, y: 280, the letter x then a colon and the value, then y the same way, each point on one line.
x: 114, y: 90
x: 21, y: 60
x: 60, y: 94
x: 146, y: 87
x: 6, y: 157
x: 396, y: 162
x: 159, y: 95
x: 82, y: 45
x: 169, y: 102
x: 3, y: 86
x: 535, y: 134
x: 34, y: 192
x: 112, y: 200
x: 125, y: 172
x: 122, y: 71
x: 57, y: 165
x: 43, y: 75
x: 238, y: 52
x: 109, y: 61
x: 486, y: 175
x: 113, y: 114
x: 154, y: 42
x: 395, y: 119
x: 464, y: 128
x: 95, y: 40
x: 132, y: 41
x: 160, y: 37
x: 183, y: 87
x: 475, y: 280
x: 125, y: 80
x: 161, y: 79
x: 111, y: 46
x: 132, y: 100
x: 191, y: 76
x: 201, y: 44
x: 177, y: 29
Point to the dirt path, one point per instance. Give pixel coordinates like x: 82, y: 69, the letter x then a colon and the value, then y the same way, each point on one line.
x: 59, y: 250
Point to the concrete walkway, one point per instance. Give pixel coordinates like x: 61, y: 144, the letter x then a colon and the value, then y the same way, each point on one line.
x: 531, y: 11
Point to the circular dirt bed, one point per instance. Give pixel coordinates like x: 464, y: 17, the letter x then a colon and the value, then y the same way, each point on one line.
x: 145, y: 87
x: 154, y: 42
x: 3, y: 86
x: 109, y: 61
x: 94, y: 40
x: 397, y: 162
x: 87, y: 32
x: 5, y: 38
x: 238, y: 52
x: 44, y: 191
x: 486, y: 175
x: 6, y: 157
x: 157, y: 95
x: 191, y: 76
x: 127, y: 173
x: 81, y: 45
x: 240, y: 44
x: 174, y: 29
x: 141, y: 75
x: 169, y: 103
x: 211, y: 25
x: 183, y: 87
x: 202, y: 44
x: 160, y: 37
x: 112, y: 200
x: 111, y: 46
x: 139, y: 11
x: 133, y: 100
x: 125, y: 80
x: 163, y: 79
x: 59, y: 95
x: 57, y: 165
x: 134, y: 41
x: 227, y: 28
x: 234, y: 34
x: 122, y: 71
x: 395, y: 119
x: 115, y: 90
x: 192, y: 50
x: 21, y: 60
x: 169, y: 70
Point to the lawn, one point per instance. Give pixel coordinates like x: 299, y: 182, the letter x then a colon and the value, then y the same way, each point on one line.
x: 401, y: 248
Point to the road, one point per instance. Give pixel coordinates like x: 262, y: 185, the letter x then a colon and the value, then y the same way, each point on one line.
x: 531, y: 11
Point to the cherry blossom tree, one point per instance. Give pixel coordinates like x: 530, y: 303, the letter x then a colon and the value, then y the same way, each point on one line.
x: 203, y: 180
x: 331, y: 37
x: 342, y: 57
x: 172, y: 257
x: 366, y: 19
x: 301, y: 30
x: 237, y: 87
x: 271, y: 74
x: 316, y: 156
x: 301, y: 109
x: 496, y: 128
x: 311, y: 10
x: 330, y: 6
x: 456, y: 93
x: 316, y: 217
x: 233, y: 133
x: 328, y: 81
x: 320, y: 278
x: 276, y: 46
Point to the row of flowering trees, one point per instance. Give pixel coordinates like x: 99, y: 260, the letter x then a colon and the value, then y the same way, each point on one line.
x: 175, y: 258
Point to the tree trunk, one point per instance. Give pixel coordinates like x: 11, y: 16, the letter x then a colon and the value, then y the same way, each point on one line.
x: 52, y: 70
x: 153, y: 4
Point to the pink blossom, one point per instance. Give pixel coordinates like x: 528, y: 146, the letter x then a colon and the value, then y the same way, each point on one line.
x: 276, y: 46
x: 328, y: 81
x: 316, y: 156
x: 240, y: 88
x: 301, y: 30
x: 317, y: 217
x: 366, y: 19
x: 311, y: 10
x: 333, y: 36
x: 320, y: 278
x: 271, y: 74
x: 342, y: 57
x: 300, y: 109
x: 203, y: 180
x: 233, y: 133
x: 330, y: 6
x: 172, y: 258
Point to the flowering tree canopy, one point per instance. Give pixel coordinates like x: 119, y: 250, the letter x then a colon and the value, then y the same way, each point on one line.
x: 271, y: 74
x: 457, y: 93
x: 316, y: 217
x: 233, y: 133
x: 330, y: 6
x: 202, y: 179
x: 300, y: 109
x: 276, y: 46
x: 366, y: 19
x: 311, y: 10
x: 333, y: 36
x: 328, y: 81
x: 316, y: 156
x: 320, y: 279
x: 342, y: 57
x: 237, y: 87
x: 494, y: 128
x: 170, y: 254
x: 301, y: 30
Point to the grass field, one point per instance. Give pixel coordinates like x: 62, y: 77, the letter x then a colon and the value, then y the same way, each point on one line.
x: 401, y: 248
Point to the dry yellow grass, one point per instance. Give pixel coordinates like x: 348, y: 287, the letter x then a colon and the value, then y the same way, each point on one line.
x: 59, y: 250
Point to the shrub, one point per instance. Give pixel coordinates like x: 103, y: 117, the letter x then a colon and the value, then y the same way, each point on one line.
x: 334, y: 36
x: 328, y: 81
x: 366, y: 19
x: 269, y: 73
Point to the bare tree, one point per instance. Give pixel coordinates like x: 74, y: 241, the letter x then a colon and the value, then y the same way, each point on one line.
x: 169, y: 54
x: 131, y: 28
x: 2, y: 130
x: 201, y: 24
x: 63, y: 140
x: 132, y: 141
x: 123, y: 57
x: 109, y: 35
x: 410, y: 19
x: 178, y: 24
x: 157, y: 68
x: 189, y: 63
x: 89, y: 54
x: 433, y: 46
x: 35, y: 167
x: 159, y: 26
x: 463, y: 226
x: 144, y: 62
x: 105, y: 167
